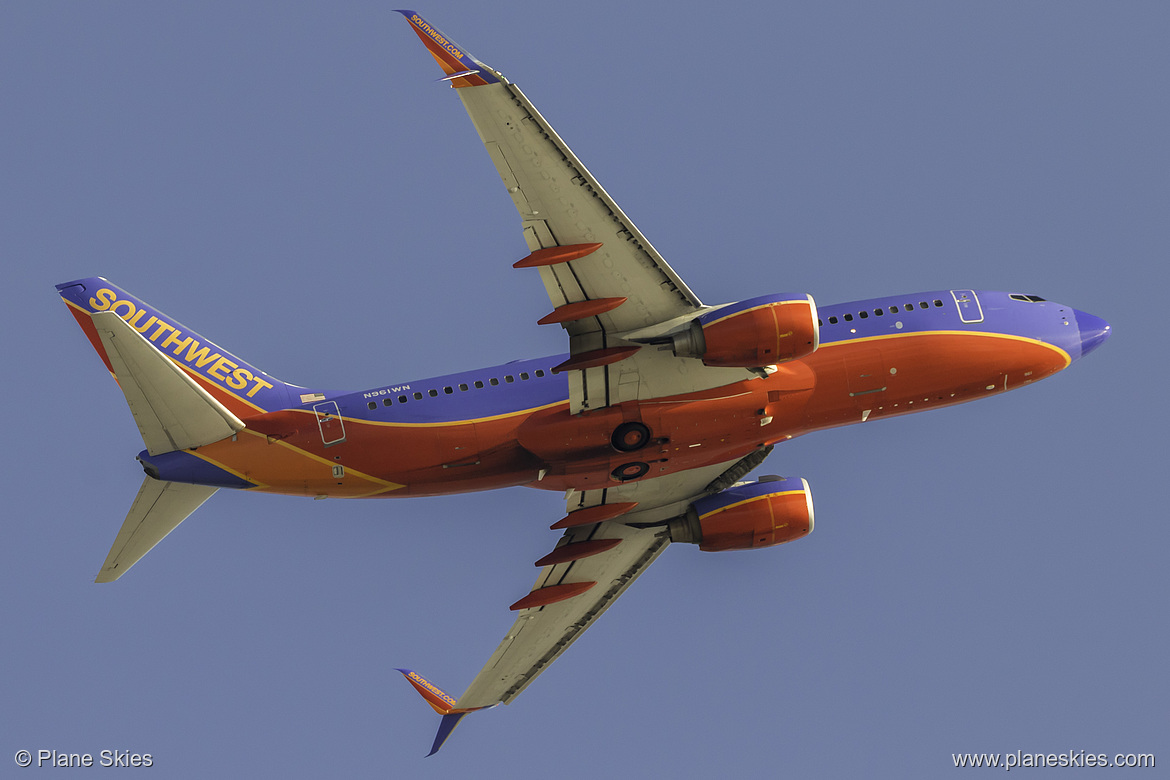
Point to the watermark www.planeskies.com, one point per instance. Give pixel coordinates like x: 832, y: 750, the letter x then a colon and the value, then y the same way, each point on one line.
x: 1070, y: 758
x: 103, y: 758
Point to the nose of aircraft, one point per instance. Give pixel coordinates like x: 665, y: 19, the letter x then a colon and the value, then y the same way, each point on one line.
x: 1094, y: 331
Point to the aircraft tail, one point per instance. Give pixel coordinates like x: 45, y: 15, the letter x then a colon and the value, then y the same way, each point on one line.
x: 184, y: 390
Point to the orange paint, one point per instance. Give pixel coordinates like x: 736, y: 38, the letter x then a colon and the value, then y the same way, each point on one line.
x: 556, y: 254
x: 760, y: 522
x: 542, y: 597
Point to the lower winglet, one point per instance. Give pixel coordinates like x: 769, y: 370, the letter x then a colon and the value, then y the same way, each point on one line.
x: 446, y: 726
x: 441, y: 703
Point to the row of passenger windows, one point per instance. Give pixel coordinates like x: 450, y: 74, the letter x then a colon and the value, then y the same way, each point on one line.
x: 879, y: 312
x: 463, y: 387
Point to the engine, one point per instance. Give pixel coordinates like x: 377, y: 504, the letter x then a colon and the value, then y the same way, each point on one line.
x: 756, y: 332
x: 770, y: 511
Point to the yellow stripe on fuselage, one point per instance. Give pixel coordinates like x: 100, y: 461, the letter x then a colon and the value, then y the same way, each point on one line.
x: 1009, y: 336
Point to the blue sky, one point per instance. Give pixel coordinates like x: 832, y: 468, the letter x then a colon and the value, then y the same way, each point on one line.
x: 289, y: 179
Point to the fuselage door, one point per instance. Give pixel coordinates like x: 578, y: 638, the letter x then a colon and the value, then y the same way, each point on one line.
x: 329, y: 422
x: 970, y: 311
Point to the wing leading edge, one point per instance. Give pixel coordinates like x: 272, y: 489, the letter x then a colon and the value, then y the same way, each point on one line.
x: 607, y: 284
x: 603, y: 277
x: 611, y: 537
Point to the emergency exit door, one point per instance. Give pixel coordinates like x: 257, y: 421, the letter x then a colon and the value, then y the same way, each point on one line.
x: 330, y: 424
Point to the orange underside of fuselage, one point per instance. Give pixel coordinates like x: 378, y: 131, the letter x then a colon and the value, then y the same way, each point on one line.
x: 840, y: 384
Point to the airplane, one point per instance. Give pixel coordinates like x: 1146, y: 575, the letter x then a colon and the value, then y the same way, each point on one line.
x: 649, y: 424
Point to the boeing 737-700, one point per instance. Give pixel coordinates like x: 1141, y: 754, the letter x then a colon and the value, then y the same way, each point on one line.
x: 649, y: 424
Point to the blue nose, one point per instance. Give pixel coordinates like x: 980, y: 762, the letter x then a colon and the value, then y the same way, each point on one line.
x: 1094, y: 331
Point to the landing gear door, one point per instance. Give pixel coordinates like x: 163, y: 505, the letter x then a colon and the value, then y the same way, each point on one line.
x: 970, y: 311
x: 329, y: 422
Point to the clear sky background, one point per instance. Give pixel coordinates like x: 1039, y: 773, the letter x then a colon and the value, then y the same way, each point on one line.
x: 289, y: 179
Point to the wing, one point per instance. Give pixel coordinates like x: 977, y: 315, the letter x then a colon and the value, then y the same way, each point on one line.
x: 604, y: 278
x: 611, y: 537
x: 592, y: 564
x: 614, y: 295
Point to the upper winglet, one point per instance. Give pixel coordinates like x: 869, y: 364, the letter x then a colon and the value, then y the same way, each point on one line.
x: 439, y: 701
x: 461, y: 68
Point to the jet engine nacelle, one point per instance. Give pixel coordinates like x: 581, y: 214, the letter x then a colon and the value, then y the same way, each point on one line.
x: 756, y: 332
x: 770, y: 511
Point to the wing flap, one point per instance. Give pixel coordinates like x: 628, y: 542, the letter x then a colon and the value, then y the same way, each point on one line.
x: 560, y: 202
x: 157, y: 510
x: 611, y: 553
x: 172, y: 411
x: 541, y: 634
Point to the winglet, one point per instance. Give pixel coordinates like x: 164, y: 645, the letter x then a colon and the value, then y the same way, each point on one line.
x: 461, y: 69
x: 441, y: 703
x: 446, y: 726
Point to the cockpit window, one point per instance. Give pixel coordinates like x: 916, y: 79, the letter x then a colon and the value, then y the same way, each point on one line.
x: 1027, y: 298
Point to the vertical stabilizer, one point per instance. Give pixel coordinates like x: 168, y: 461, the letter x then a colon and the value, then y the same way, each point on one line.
x: 240, y: 387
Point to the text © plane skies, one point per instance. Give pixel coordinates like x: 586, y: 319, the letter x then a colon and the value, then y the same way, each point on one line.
x: 649, y: 424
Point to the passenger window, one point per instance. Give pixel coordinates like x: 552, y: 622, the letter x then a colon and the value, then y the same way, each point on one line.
x: 849, y: 318
x: 478, y: 384
x: 893, y: 310
x: 832, y: 320
x: 401, y: 399
x: 879, y: 312
x: 462, y: 387
x: 418, y: 396
x: 493, y: 382
x: 923, y: 305
x: 937, y: 302
x: 539, y: 373
x: 372, y: 404
x: 909, y: 307
x: 386, y: 401
x: 524, y: 375
x: 863, y: 314
x: 448, y: 390
x: 433, y: 393
x: 509, y: 378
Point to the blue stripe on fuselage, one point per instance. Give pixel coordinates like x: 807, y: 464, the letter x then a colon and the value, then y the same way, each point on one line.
x: 1047, y: 321
x: 491, y: 400
x: 1042, y: 321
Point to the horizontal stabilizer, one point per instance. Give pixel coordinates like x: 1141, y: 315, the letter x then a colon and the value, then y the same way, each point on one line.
x: 157, y: 510
x: 171, y: 410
